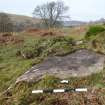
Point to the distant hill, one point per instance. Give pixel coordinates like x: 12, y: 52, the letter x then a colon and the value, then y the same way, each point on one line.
x: 22, y: 19
x: 22, y: 22
x: 27, y: 19
x: 100, y: 21
x: 73, y: 23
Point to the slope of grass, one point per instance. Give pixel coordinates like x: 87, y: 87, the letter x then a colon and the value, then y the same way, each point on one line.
x: 12, y: 65
x: 96, y: 40
x: 21, y: 94
x: 94, y: 30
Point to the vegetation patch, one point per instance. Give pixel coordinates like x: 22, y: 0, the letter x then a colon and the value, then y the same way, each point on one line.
x: 96, y: 43
x: 13, y: 64
x: 9, y: 38
x: 94, y: 30
x: 21, y: 94
x: 44, y: 47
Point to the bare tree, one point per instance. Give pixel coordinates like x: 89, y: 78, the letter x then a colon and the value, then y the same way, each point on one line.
x: 5, y: 23
x: 51, y: 12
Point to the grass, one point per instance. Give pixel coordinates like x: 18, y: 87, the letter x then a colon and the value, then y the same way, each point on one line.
x: 76, y: 33
x: 21, y: 93
x: 13, y: 65
x: 94, y: 30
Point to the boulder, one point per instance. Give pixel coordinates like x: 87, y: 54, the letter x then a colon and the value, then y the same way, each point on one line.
x: 82, y: 62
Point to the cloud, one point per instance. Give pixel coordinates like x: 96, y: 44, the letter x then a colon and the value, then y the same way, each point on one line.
x: 79, y: 9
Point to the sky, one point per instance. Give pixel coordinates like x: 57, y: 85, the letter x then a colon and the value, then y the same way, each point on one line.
x: 84, y: 10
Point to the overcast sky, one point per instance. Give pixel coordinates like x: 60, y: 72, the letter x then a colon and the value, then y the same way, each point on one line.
x: 84, y: 10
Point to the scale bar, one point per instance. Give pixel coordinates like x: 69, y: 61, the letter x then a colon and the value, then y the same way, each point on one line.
x: 59, y: 90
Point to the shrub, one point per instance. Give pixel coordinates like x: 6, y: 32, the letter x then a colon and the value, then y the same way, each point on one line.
x: 94, y: 30
x: 44, y: 47
x: 29, y: 52
x: 98, y: 43
x: 58, y: 46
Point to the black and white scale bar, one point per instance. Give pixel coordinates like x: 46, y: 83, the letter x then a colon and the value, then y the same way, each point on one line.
x: 59, y: 90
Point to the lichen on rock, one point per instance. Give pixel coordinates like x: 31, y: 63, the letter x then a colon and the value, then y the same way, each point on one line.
x: 82, y: 62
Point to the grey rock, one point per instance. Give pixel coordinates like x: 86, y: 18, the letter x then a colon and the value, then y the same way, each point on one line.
x: 80, y: 63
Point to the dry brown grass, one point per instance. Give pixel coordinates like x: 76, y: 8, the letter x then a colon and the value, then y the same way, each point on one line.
x: 44, y: 32
x: 9, y: 38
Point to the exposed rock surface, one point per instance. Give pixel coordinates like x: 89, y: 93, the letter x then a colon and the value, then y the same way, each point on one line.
x: 80, y: 63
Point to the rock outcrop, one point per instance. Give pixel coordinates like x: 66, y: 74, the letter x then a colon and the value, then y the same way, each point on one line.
x: 80, y: 63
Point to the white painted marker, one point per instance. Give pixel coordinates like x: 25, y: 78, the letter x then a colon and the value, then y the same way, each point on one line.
x: 58, y: 90
x: 37, y: 91
x: 81, y: 90
x: 64, y: 81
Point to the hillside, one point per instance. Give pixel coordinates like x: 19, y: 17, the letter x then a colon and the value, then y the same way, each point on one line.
x: 74, y: 23
x: 27, y: 56
x: 22, y: 22
x: 100, y: 21
x: 25, y: 19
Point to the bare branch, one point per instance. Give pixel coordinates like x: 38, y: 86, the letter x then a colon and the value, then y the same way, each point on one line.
x: 51, y: 12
